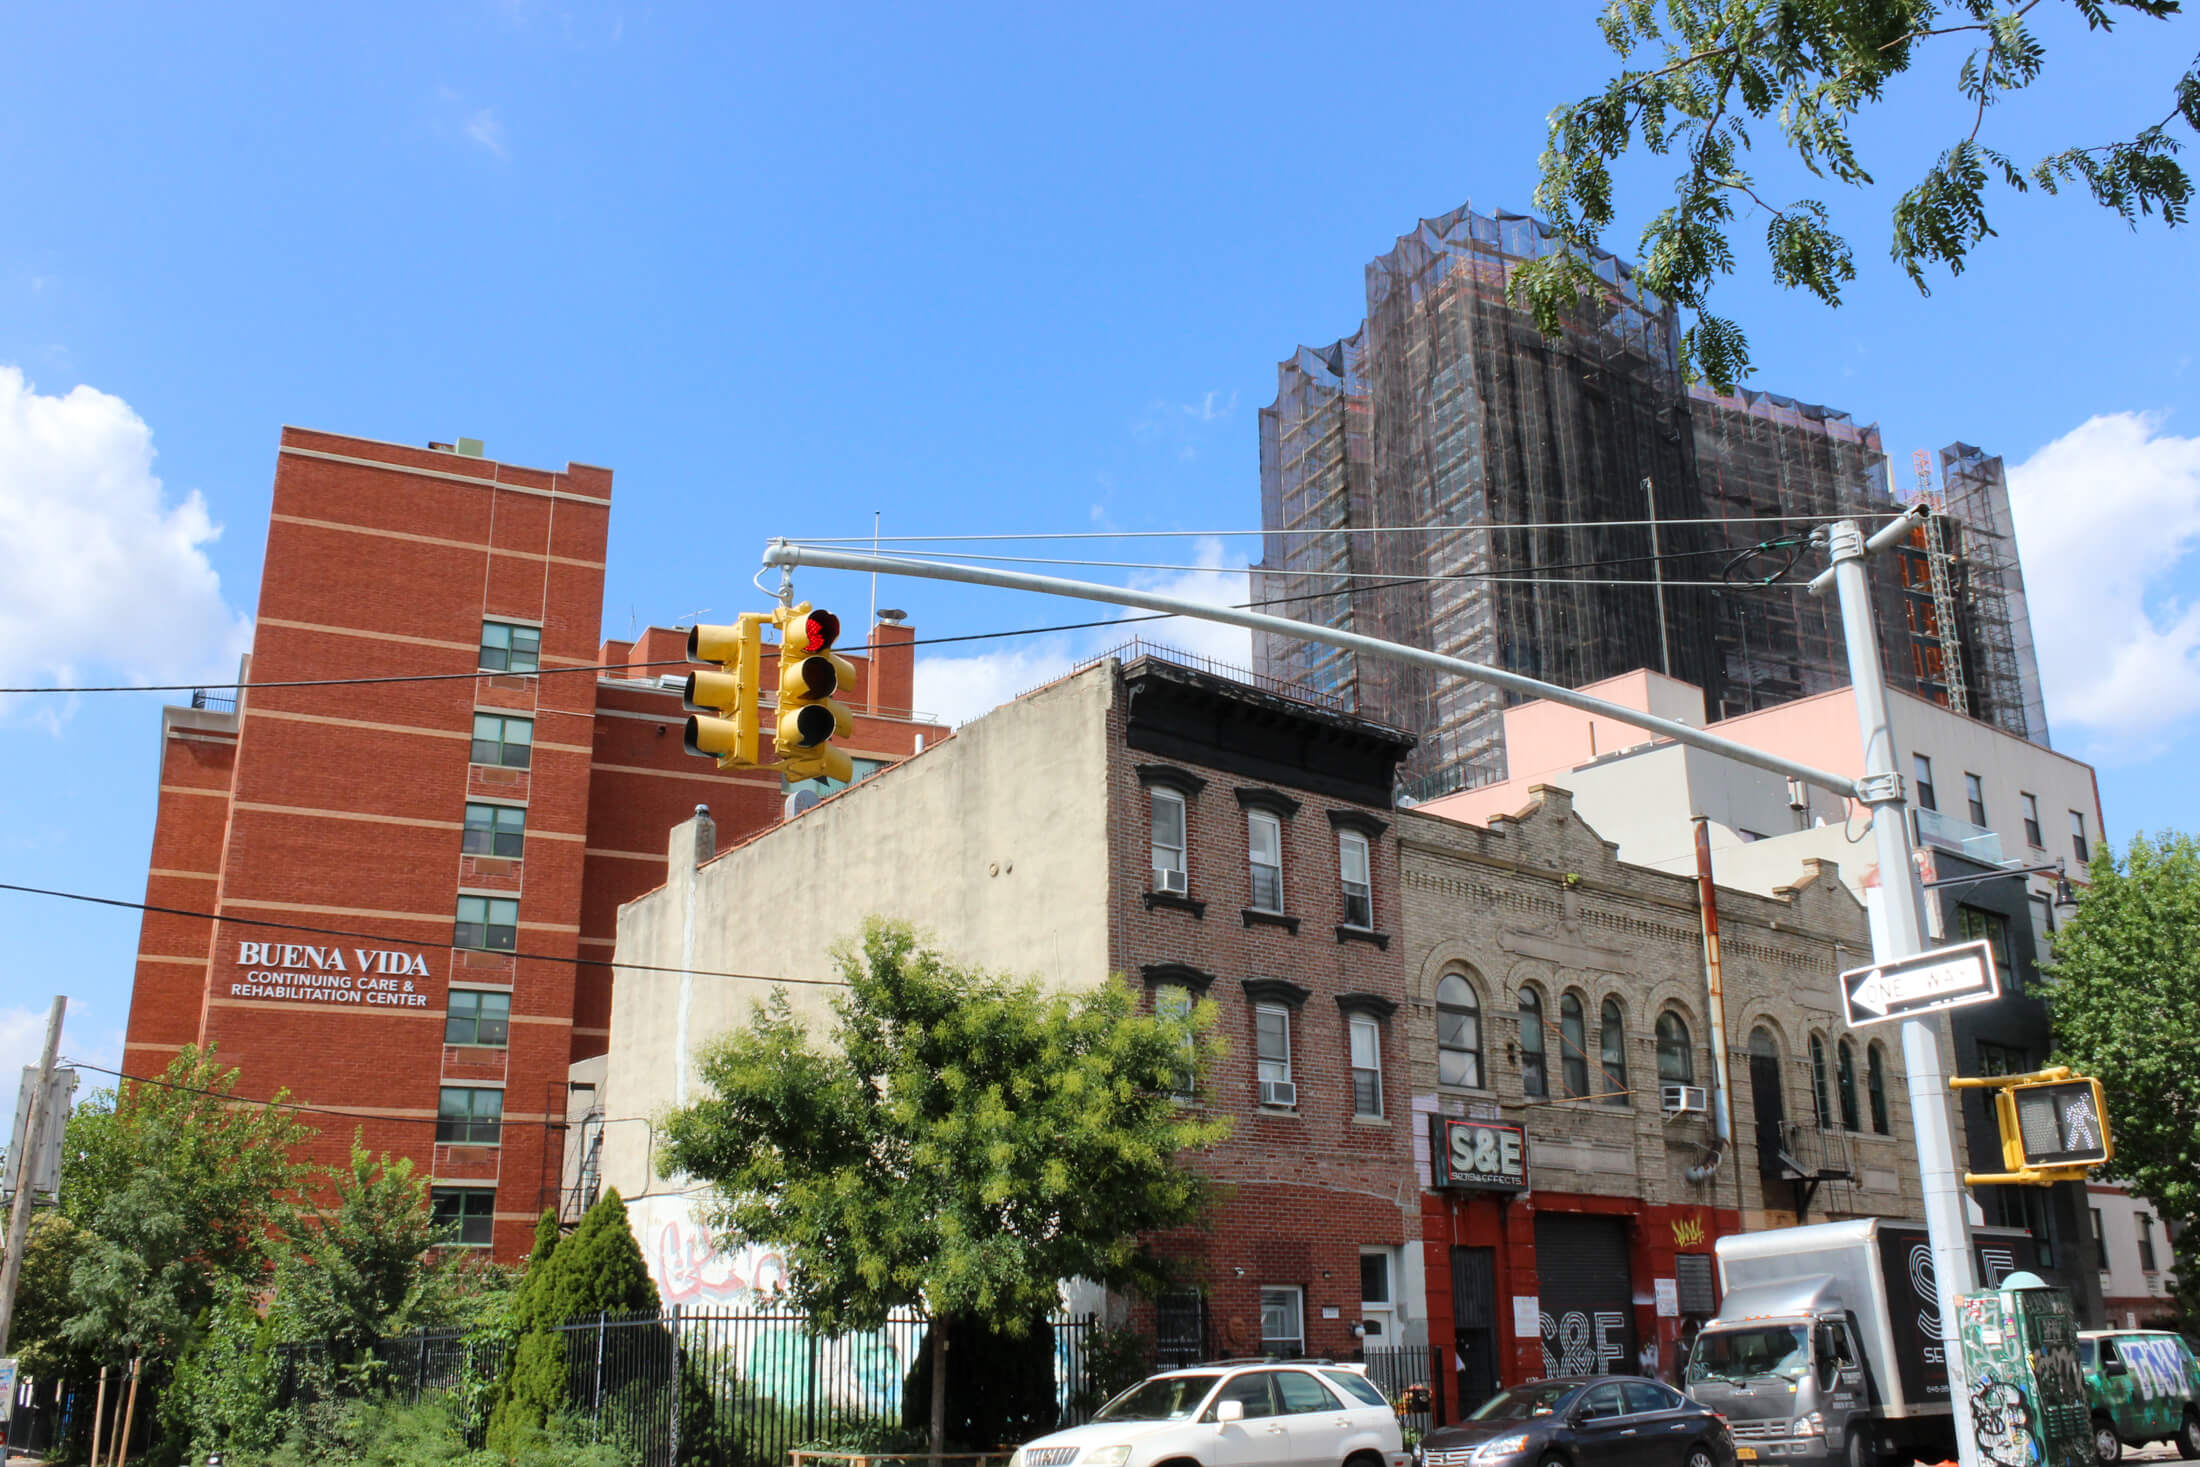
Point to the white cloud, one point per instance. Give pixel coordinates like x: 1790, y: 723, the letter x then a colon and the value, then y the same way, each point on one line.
x: 2108, y: 519
x: 1223, y: 583
x: 958, y: 689
x: 100, y: 574
x: 487, y: 129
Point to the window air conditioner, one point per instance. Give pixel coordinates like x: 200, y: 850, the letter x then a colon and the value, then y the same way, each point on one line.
x: 1684, y: 1099
x: 1166, y: 879
x: 1279, y: 1092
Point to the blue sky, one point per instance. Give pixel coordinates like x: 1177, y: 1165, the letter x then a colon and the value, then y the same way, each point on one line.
x: 1000, y: 268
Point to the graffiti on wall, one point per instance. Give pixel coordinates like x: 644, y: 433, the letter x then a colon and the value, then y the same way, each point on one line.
x: 2001, y: 1423
x: 1587, y: 1343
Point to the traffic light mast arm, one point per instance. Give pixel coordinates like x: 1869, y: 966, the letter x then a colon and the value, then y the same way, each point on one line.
x: 2003, y: 1082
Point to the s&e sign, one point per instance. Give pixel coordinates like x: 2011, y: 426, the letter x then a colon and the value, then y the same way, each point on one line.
x: 1480, y: 1155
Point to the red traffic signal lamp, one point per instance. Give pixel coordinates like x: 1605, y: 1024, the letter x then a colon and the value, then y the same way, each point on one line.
x: 731, y: 739
x: 810, y: 672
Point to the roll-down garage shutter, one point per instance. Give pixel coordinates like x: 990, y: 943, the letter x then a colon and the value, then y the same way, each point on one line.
x: 1587, y: 1294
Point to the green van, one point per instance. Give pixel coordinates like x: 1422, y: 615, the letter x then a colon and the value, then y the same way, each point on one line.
x: 2144, y: 1386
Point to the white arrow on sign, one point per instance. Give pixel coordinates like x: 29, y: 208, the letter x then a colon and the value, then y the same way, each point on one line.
x: 1941, y: 979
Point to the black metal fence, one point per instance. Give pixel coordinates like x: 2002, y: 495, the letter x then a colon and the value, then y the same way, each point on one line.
x: 1395, y: 1368
x: 701, y: 1388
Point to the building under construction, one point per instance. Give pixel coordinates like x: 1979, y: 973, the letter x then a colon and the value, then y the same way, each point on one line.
x: 1448, y: 478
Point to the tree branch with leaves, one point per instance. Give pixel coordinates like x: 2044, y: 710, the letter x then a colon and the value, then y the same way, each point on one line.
x: 1696, y: 75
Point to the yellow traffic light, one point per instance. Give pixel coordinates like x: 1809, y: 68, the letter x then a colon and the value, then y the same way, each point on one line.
x: 810, y: 672
x: 2054, y: 1126
x: 731, y: 740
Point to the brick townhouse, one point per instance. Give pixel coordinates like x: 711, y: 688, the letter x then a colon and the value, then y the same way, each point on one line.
x: 411, y: 886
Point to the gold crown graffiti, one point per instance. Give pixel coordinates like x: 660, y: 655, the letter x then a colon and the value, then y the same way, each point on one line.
x: 1687, y: 1232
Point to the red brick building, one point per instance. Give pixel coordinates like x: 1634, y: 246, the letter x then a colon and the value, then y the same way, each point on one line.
x: 412, y: 885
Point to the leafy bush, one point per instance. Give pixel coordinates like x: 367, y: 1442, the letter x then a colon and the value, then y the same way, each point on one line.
x: 379, y: 1433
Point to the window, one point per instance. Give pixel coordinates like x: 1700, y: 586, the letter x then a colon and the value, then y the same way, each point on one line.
x: 1366, y: 1039
x: 2100, y: 1241
x: 1974, y: 924
x: 1818, y: 1091
x: 465, y: 1215
x: 1359, y: 892
x: 2032, y: 836
x: 1676, y: 1059
x: 1845, y: 1080
x: 1302, y: 1395
x: 1974, y: 794
x: 1573, y: 1045
x: 2078, y: 846
x: 1875, y: 1083
x: 1264, y: 853
x: 473, y: 1017
x: 1612, y: 1041
x: 487, y: 924
x: 1174, y: 1001
x: 1168, y: 842
x: 1923, y: 768
x: 1458, y: 1033
x: 2146, y: 1243
x: 1282, y: 1327
x: 1255, y: 1391
x: 494, y: 830
x: 466, y: 1116
x: 507, y: 742
x: 1604, y: 1400
x: 1377, y: 1308
x: 509, y: 648
x: 1535, y: 1076
x: 2003, y: 1059
x: 1272, y: 1044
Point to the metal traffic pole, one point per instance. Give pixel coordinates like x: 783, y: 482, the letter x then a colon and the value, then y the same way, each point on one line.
x: 1901, y: 934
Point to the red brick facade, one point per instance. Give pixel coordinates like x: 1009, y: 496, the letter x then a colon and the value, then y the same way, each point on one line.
x: 1306, y: 1188
x: 343, y: 809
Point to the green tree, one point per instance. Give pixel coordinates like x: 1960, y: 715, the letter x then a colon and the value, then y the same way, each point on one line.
x: 1696, y: 76
x: 964, y: 1143
x: 2125, y: 997
x: 598, y: 1270
x: 43, y: 1303
x: 176, y: 1186
x: 363, y: 1266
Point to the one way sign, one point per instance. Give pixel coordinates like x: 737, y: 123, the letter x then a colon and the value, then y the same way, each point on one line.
x: 1945, y: 978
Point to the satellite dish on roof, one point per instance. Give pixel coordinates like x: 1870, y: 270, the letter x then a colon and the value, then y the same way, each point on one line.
x: 800, y: 800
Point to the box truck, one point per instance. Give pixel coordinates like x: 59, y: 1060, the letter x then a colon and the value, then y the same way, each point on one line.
x: 1828, y: 1346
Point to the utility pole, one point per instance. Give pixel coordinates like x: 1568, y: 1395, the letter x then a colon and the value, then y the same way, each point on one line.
x: 1901, y: 934
x: 19, y: 1217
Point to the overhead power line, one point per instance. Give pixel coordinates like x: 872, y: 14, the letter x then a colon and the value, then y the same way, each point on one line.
x: 314, y: 1110
x: 1381, y: 582
x: 578, y: 962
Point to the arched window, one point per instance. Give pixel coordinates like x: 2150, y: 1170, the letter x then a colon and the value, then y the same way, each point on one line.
x: 1535, y: 1075
x: 1612, y: 1042
x: 1676, y: 1060
x: 1845, y: 1076
x: 1818, y: 1091
x: 1458, y: 1033
x: 1875, y: 1081
x: 1573, y: 1045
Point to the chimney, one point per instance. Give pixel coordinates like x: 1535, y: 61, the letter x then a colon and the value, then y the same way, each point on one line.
x: 692, y: 842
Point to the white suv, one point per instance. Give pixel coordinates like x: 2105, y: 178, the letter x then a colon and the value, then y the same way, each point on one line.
x: 1240, y: 1414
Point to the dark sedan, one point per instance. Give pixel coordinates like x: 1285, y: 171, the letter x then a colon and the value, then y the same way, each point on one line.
x: 1585, y: 1421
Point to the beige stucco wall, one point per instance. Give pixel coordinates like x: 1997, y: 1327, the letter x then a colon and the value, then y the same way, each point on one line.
x: 994, y: 843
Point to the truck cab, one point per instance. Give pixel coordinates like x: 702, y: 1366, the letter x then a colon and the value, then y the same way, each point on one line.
x: 1784, y: 1364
